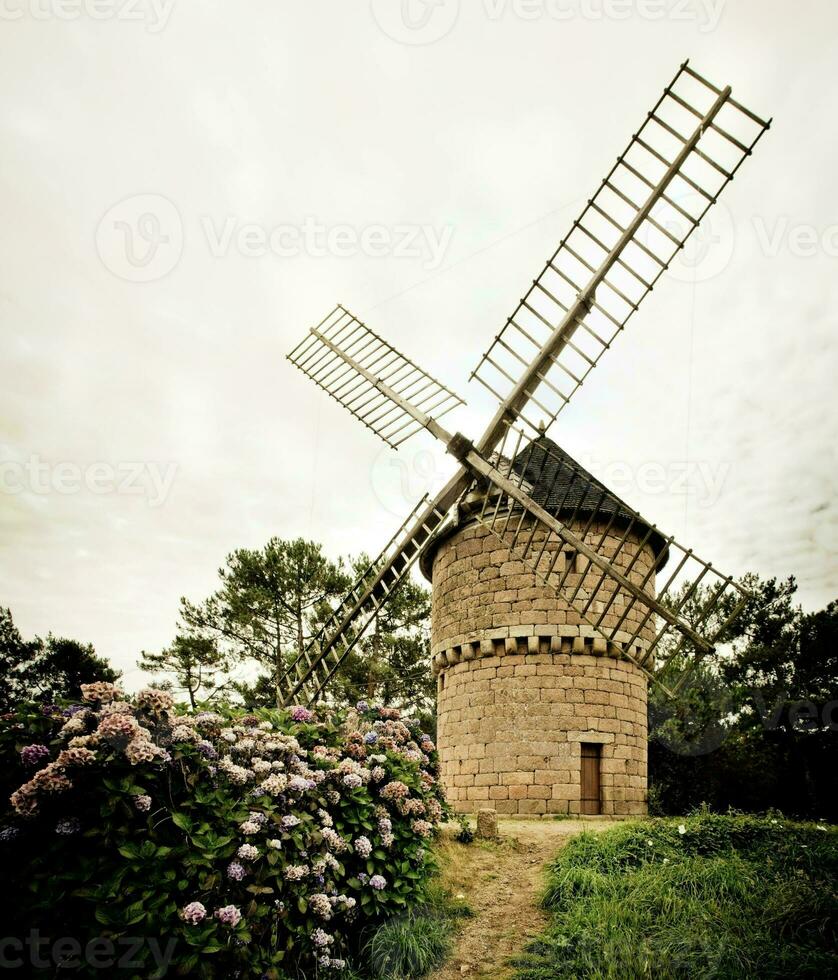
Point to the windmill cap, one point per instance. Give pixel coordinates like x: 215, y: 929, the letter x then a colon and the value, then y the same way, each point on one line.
x: 562, y: 486
x: 555, y: 481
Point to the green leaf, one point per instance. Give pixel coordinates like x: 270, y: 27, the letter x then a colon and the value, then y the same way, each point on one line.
x: 181, y: 820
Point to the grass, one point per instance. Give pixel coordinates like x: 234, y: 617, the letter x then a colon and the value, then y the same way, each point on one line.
x: 729, y: 897
x: 411, y: 946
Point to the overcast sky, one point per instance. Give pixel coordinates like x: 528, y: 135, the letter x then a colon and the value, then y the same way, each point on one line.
x: 187, y: 187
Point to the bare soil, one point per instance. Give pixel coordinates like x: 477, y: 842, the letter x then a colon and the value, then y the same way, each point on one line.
x: 502, y: 882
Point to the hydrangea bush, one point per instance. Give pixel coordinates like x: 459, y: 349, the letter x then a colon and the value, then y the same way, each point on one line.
x: 263, y: 844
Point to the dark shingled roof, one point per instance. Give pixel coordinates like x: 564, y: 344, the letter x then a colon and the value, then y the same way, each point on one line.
x: 558, y: 483
x: 564, y: 487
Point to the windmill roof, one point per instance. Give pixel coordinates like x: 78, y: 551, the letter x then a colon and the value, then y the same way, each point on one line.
x: 563, y: 487
x: 554, y: 479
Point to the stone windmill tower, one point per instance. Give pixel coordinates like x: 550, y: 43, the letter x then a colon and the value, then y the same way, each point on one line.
x: 554, y: 602
x: 537, y: 712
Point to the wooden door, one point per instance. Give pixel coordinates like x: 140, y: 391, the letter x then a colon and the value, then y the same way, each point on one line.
x: 591, y: 755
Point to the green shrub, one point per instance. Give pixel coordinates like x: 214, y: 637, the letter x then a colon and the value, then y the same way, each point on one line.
x: 465, y: 835
x: 409, y: 947
x: 242, y: 845
x: 706, y: 896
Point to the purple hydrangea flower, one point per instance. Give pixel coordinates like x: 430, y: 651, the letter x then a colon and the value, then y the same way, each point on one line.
x: 299, y: 713
x: 378, y: 882
x: 371, y: 738
x: 298, y: 784
x: 362, y: 706
x: 235, y: 871
x: 207, y: 749
x: 32, y: 755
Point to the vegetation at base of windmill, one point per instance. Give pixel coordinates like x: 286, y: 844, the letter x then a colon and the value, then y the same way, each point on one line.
x: 465, y: 835
x: 153, y: 838
x: 721, y: 895
x: 733, y: 736
x: 410, y: 946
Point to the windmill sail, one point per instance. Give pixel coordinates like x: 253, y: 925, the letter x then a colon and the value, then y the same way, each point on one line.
x: 307, y: 676
x: 535, y: 499
x: 689, y: 148
x: 353, y: 364
x: 686, y: 152
x: 601, y: 558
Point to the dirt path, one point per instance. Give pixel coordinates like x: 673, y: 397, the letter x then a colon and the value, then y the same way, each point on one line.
x: 501, y: 883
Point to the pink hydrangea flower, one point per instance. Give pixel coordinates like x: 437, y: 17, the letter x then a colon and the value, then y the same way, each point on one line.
x: 229, y: 915
x: 193, y: 913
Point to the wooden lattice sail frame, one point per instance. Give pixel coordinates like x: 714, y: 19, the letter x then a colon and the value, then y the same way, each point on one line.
x: 690, y: 146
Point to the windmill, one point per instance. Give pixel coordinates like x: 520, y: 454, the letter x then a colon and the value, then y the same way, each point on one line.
x: 546, y: 602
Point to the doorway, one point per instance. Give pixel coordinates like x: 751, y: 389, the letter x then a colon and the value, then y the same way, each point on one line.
x: 591, y: 802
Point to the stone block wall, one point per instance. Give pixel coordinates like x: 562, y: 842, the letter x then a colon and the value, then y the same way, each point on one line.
x: 510, y: 729
x: 482, y: 592
x: 523, y: 681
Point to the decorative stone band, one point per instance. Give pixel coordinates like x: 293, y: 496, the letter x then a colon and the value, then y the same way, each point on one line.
x: 532, y: 640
